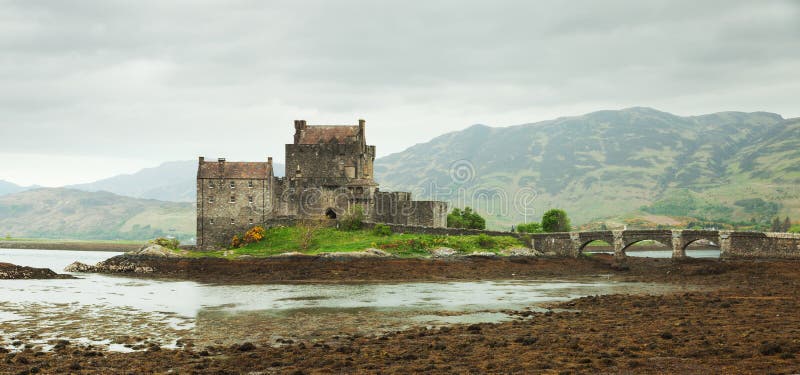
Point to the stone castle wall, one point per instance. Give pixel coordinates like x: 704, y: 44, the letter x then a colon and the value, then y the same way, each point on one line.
x: 224, y: 211
x: 398, y: 208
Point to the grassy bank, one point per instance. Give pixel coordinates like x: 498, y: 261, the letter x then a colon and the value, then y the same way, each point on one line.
x: 330, y: 240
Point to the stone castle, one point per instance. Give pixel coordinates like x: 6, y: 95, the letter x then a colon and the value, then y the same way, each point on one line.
x: 329, y: 170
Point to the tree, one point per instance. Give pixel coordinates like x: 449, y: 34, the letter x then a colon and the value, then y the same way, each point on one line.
x: 776, y: 225
x: 530, y: 228
x: 465, y: 218
x: 555, y: 220
x: 787, y: 224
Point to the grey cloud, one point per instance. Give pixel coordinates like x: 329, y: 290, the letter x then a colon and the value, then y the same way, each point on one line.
x: 180, y: 78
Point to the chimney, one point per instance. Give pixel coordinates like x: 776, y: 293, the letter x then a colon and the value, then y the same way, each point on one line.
x: 221, y: 160
x: 202, y: 159
x: 362, y: 124
x: 269, y: 160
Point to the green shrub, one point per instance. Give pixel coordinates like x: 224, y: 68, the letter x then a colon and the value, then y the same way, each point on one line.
x: 530, y: 228
x: 353, y: 219
x: 465, y: 218
x: 795, y: 228
x: 169, y: 243
x: 486, y: 241
x: 382, y: 230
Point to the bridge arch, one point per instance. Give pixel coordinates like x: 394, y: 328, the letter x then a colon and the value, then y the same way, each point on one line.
x: 601, y: 242
x: 632, y: 237
x: 712, y: 242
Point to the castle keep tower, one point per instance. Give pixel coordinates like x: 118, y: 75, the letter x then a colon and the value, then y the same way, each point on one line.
x: 329, y: 169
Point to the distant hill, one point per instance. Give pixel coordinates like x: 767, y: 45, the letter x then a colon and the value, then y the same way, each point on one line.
x: 73, y: 214
x: 7, y: 187
x: 730, y: 166
x: 638, y: 167
x: 172, y: 181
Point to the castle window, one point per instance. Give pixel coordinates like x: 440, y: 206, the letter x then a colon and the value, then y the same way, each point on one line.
x: 233, y: 184
x: 233, y: 222
x: 251, y: 221
x: 211, y: 184
x: 211, y: 199
x: 250, y: 199
x: 250, y: 183
x: 211, y: 221
x: 233, y: 199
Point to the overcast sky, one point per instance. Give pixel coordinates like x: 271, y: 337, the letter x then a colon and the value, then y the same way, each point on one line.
x: 89, y: 89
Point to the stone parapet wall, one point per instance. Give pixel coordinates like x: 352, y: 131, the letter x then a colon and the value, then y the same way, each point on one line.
x: 442, y: 231
x: 761, y: 245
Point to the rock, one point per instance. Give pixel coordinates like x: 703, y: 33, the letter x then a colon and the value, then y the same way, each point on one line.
x: 522, y: 252
x: 367, y: 253
x: 443, y: 252
x: 152, y: 249
x: 246, y: 347
x: 377, y: 252
x: 290, y: 254
x: 11, y: 271
x: 482, y: 254
x: 79, y: 267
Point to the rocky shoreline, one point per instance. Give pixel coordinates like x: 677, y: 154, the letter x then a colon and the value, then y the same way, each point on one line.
x: 343, y: 268
x: 743, y: 319
x: 10, y: 271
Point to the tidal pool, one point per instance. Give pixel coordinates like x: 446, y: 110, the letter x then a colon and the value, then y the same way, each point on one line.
x: 120, y: 313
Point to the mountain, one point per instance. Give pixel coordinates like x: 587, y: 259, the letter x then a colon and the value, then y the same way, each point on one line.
x: 7, y: 187
x: 74, y: 214
x: 172, y: 181
x: 730, y: 166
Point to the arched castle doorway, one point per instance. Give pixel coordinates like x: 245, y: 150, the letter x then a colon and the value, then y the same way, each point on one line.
x: 330, y: 213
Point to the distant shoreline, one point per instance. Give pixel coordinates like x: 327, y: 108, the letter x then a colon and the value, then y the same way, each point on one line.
x: 68, y: 245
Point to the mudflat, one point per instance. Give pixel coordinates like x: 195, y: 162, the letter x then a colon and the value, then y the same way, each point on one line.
x: 741, y: 318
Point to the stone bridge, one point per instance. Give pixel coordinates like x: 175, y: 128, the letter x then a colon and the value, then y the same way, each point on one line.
x: 731, y: 244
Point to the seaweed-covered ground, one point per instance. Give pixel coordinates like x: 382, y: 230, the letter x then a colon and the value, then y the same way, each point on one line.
x: 742, y: 319
x: 12, y: 271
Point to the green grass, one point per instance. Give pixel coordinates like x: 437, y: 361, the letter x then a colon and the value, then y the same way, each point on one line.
x: 330, y: 240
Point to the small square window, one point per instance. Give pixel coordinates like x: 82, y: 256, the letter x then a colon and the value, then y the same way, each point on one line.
x: 211, y: 199
x: 250, y: 183
x: 233, y: 184
x: 233, y: 199
x: 251, y: 221
x: 233, y: 222
x: 211, y: 184
x: 250, y: 199
x: 211, y: 221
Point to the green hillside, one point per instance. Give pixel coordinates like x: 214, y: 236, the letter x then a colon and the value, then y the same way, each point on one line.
x: 74, y: 214
x: 637, y: 162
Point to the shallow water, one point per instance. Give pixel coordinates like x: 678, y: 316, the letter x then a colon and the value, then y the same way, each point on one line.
x: 110, y: 311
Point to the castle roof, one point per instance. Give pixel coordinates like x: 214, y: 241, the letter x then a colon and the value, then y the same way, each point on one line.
x: 314, y: 134
x: 233, y: 169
